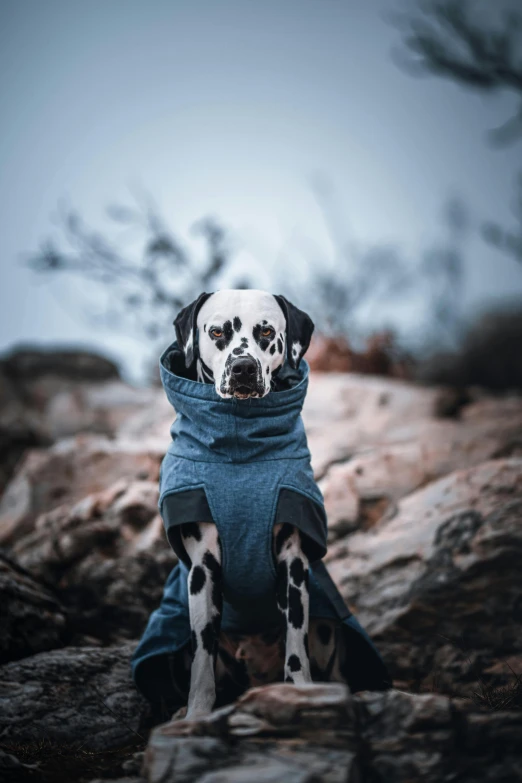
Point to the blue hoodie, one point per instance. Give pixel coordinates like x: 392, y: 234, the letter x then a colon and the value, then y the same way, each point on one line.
x: 245, y: 466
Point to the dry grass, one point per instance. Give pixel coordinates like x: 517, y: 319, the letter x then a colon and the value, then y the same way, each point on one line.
x: 67, y: 763
x: 500, y: 697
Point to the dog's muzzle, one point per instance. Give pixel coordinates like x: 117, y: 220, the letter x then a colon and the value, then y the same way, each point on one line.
x: 244, y: 377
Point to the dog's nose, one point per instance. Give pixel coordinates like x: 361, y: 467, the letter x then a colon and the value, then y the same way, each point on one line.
x: 244, y: 370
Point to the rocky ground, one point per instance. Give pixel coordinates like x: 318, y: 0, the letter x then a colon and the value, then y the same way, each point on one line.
x: 423, y: 488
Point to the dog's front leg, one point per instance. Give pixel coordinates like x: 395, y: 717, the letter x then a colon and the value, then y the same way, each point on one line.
x: 205, y: 603
x: 293, y: 600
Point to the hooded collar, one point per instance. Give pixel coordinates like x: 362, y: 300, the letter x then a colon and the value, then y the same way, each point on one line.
x: 210, y: 428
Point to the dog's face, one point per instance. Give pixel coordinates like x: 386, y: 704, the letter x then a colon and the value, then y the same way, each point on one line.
x: 242, y: 339
x: 242, y: 336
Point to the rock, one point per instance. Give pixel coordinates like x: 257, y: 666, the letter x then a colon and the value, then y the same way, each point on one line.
x: 31, y: 617
x: 27, y: 365
x: 406, y: 737
x: 13, y: 771
x: 429, y: 737
x: 48, y: 395
x: 70, y: 470
x: 313, y: 725
x: 76, y: 694
x: 436, y: 583
x: 134, y: 764
x: 346, y: 412
x: 381, y: 356
x: 94, y: 408
x: 488, y: 743
x: 126, y: 779
x: 151, y: 423
x: 377, y: 477
x: 320, y: 732
x: 107, y: 558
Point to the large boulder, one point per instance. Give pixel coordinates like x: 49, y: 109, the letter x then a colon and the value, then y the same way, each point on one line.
x: 106, y: 556
x: 31, y: 616
x: 70, y: 696
x: 436, y: 581
x: 71, y: 470
x: 318, y: 732
x: 413, y: 453
x: 46, y: 395
x: 346, y: 412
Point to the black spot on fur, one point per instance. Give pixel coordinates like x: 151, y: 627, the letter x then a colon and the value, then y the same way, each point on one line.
x: 324, y: 632
x: 238, y: 351
x: 215, y: 569
x: 210, y: 562
x: 237, y: 324
x: 191, y: 530
x: 282, y: 585
x: 224, y: 340
x: 263, y: 342
x: 283, y: 535
x: 272, y: 349
x: 295, y: 607
x: 194, y: 642
x: 288, y: 678
x: 204, y: 327
x: 208, y: 637
x: 307, y: 651
x: 294, y: 664
x: 244, y: 341
x: 279, y: 345
x: 197, y: 580
x: 297, y: 571
x: 267, y: 370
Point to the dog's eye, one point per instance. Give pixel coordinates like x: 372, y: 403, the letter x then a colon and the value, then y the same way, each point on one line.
x: 267, y: 332
x: 216, y: 332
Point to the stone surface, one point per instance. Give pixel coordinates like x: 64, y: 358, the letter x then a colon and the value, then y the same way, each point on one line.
x: 346, y: 412
x: 31, y: 617
x: 436, y: 583
x: 414, y: 455
x: 321, y: 733
x: 46, y: 395
x: 106, y: 556
x: 423, y: 489
x: 70, y: 470
x: 313, y: 726
x: 78, y: 693
x: 13, y: 771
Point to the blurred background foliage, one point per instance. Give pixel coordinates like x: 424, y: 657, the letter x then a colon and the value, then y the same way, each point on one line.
x: 353, y: 290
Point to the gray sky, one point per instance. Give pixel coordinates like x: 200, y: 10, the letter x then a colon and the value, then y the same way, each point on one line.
x: 230, y: 108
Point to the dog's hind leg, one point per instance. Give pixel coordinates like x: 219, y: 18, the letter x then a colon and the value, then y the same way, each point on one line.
x: 205, y: 603
x: 293, y: 600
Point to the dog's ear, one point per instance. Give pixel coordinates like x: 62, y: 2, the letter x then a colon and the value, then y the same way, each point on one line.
x: 299, y: 330
x: 185, y: 325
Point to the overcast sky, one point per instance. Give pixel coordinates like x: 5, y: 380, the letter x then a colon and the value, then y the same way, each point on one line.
x: 230, y: 108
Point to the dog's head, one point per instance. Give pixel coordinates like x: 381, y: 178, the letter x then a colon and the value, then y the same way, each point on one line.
x: 239, y: 338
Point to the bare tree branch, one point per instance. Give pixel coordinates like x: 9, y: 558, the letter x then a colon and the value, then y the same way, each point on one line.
x: 449, y: 39
x: 140, y: 294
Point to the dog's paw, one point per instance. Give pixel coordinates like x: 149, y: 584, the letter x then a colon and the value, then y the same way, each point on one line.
x: 180, y: 714
x: 198, y: 712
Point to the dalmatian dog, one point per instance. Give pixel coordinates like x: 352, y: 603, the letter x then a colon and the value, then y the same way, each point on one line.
x: 241, y: 346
